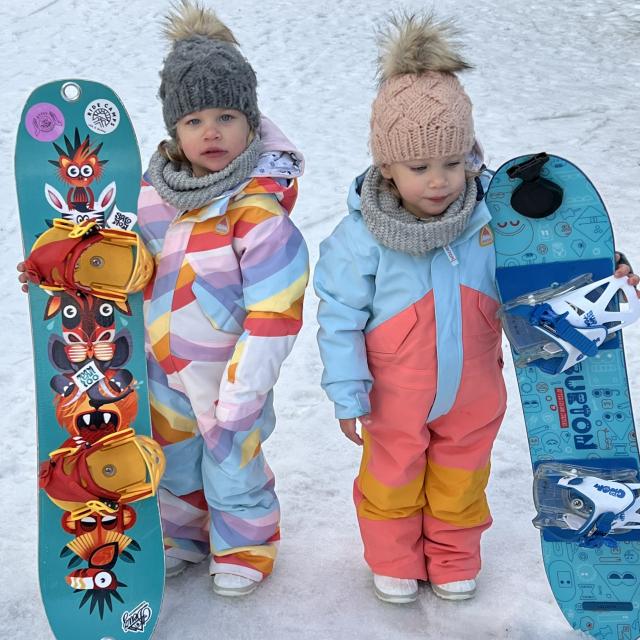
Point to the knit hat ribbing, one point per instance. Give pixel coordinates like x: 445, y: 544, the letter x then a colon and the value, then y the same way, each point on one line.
x: 205, y: 68
x: 421, y: 110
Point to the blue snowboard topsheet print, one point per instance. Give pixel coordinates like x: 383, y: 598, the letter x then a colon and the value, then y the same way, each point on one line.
x: 100, y: 555
x: 583, y: 416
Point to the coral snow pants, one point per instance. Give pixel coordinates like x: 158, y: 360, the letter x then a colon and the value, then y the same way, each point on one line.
x: 420, y: 492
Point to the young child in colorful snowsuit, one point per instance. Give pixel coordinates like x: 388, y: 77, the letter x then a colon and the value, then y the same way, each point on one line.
x: 225, y: 306
x: 408, y: 332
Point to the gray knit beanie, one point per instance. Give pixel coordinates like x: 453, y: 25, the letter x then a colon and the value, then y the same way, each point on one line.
x: 205, y: 68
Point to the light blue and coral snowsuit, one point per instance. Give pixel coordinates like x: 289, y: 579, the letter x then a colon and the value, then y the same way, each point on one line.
x: 222, y: 313
x: 414, y: 342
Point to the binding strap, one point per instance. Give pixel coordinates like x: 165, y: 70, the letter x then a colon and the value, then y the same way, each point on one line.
x: 52, y: 264
x: 75, y: 484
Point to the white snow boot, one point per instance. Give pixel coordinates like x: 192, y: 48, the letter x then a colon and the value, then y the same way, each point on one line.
x: 395, y: 590
x: 229, y: 584
x: 458, y: 590
x: 174, y: 566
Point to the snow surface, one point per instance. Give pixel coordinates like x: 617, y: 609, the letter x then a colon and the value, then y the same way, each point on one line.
x: 555, y: 76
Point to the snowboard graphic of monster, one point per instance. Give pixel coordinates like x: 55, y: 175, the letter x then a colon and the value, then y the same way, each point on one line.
x: 562, y: 314
x: 100, y: 550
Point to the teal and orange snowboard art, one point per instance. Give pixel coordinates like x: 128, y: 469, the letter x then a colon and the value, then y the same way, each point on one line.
x: 100, y: 550
x: 562, y: 314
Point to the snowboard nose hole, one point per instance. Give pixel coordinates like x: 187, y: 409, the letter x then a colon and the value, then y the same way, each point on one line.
x: 70, y: 91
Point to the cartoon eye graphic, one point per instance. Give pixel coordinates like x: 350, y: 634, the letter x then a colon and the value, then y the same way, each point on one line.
x: 502, y: 225
x: 66, y: 390
x: 86, y: 170
x: 70, y: 312
x: 514, y: 224
x: 106, y: 309
x: 73, y: 171
x: 614, y: 579
x: 88, y: 524
x: 103, y: 580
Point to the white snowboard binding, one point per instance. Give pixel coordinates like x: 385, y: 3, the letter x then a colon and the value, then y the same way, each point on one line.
x: 585, y: 507
x: 557, y: 327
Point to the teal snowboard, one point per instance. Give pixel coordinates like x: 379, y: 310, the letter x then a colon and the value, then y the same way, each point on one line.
x: 551, y: 226
x: 100, y: 548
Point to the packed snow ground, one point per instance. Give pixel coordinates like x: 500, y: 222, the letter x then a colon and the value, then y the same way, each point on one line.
x: 559, y: 77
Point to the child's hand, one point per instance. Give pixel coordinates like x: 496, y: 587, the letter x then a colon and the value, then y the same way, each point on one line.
x: 348, y: 426
x: 623, y: 269
x: 23, y: 276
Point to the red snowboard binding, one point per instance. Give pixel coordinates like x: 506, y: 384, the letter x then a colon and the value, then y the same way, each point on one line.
x: 119, y: 468
x: 108, y: 263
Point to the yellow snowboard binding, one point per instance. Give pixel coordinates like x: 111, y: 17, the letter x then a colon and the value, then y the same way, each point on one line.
x: 121, y: 467
x: 108, y: 263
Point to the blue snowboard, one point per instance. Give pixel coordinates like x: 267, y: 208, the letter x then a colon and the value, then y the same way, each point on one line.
x: 101, y: 561
x: 582, y: 417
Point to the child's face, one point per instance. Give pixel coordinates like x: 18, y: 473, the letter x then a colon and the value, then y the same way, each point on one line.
x: 427, y: 187
x: 212, y: 138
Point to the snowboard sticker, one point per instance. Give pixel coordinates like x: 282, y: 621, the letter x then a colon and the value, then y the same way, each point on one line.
x: 100, y: 548
x: 550, y: 228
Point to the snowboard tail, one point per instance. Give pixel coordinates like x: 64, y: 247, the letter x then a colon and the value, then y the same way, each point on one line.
x: 100, y: 549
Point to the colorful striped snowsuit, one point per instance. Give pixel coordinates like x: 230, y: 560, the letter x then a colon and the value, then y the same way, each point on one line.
x: 414, y: 342
x: 222, y: 314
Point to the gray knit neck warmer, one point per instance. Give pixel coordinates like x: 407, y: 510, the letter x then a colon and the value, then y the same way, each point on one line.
x: 394, y: 227
x: 180, y: 188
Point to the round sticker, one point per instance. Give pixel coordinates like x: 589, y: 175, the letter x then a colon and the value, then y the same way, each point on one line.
x: 102, y: 116
x: 44, y: 122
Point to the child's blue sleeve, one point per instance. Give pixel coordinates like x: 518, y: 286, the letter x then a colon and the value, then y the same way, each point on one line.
x: 344, y: 282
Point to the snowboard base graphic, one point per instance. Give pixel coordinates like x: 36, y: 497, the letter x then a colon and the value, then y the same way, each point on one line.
x: 100, y: 549
x: 550, y: 226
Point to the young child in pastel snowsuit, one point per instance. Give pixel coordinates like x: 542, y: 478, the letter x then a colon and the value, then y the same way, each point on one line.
x: 408, y: 332
x: 225, y: 305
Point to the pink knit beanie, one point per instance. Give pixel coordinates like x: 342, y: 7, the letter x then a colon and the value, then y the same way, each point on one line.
x: 421, y: 110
